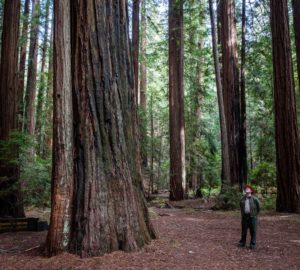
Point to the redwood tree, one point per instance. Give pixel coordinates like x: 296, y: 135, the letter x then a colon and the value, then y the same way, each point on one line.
x: 32, y: 68
x: 176, y: 101
x: 10, y: 200
x: 101, y: 207
x: 231, y: 89
x: 23, y: 54
x: 286, y: 132
x: 135, y: 46
x: 223, y: 127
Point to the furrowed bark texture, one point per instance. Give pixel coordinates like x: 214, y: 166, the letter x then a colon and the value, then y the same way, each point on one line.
x: 231, y: 89
x: 59, y: 233
x: 176, y: 101
x: 11, y: 202
x: 110, y: 211
x: 108, y: 206
x: 286, y: 133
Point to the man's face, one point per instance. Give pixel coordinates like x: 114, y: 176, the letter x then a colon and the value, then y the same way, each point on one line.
x: 248, y: 192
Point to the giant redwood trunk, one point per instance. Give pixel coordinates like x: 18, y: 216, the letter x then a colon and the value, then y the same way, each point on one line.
x: 103, y: 209
x: 286, y: 133
x: 135, y: 46
x: 32, y: 69
x: 231, y: 89
x: 10, y: 199
x: 176, y: 101
x: 296, y: 15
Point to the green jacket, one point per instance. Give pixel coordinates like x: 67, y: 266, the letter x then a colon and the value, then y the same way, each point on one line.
x: 254, y: 206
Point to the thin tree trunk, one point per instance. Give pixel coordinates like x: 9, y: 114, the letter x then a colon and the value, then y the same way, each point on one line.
x: 23, y: 54
x: 152, y: 148
x: 43, y: 81
x: 143, y: 84
x: 32, y: 68
x: 223, y: 126
x: 106, y: 163
x: 296, y: 14
x: 286, y: 133
x: 231, y: 89
x: 135, y: 46
x: 63, y: 167
x: 243, y: 132
x: 11, y: 200
x: 176, y: 101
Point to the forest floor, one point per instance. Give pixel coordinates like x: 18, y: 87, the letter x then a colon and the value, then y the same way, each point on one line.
x: 190, y: 236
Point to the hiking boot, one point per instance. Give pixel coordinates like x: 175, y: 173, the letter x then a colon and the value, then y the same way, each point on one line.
x: 252, y: 247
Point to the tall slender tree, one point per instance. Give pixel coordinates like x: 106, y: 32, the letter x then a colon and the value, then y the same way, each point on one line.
x: 176, y: 101
x: 143, y: 85
x: 136, y: 46
x: 23, y: 56
x: 243, y: 133
x: 10, y: 200
x: 32, y: 68
x: 231, y: 89
x: 296, y: 15
x: 87, y: 218
x: 43, y: 80
x: 224, y: 136
x: 286, y: 132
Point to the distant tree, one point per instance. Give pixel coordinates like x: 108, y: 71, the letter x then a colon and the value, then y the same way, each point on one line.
x: 43, y: 80
x: 135, y: 46
x: 32, y: 68
x: 23, y: 56
x: 176, y: 101
x: 286, y: 132
x: 98, y: 204
x: 10, y: 191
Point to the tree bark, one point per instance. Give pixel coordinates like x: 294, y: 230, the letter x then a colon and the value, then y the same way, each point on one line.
x: 176, y: 101
x: 243, y: 133
x: 108, y: 206
x: 296, y: 15
x: 23, y: 54
x: 43, y: 81
x: 286, y: 133
x: 135, y: 46
x: 59, y: 233
x: 32, y: 68
x: 231, y: 89
x: 224, y: 135
x: 11, y: 200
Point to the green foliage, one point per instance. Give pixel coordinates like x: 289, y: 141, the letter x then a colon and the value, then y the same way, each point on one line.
x: 269, y: 202
x: 228, y: 199
x: 35, y: 172
x: 264, y: 175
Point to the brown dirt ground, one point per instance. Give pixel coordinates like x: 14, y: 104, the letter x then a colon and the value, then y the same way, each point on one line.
x: 188, y: 238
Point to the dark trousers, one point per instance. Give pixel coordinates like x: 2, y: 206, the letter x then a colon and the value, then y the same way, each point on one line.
x: 251, y: 223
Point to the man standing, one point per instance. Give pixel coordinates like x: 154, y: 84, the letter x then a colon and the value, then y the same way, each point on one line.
x: 250, y: 208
